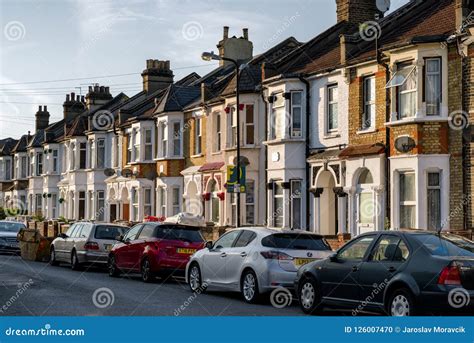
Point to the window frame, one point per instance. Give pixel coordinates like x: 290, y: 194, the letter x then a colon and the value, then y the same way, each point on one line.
x: 368, y: 102
x: 176, y: 138
x: 429, y: 188
x: 329, y: 104
x: 426, y: 89
x: 403, y: 203
x: 292, y: 197
x: 292, y: 109
x: 197, y: 135
x: 102, y: 151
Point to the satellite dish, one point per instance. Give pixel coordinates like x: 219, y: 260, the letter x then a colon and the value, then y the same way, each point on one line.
x: 244, y: 161
x: 109, y: 172
x: 127, y: 172
x: 405, y: 144
x: 383, y: 5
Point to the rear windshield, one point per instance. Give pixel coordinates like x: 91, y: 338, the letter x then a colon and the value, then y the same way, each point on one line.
x: 11, y: 227
x: 295, y: 242
x: 446, y: 245
x: 109, y: 232
x: 185, y: 234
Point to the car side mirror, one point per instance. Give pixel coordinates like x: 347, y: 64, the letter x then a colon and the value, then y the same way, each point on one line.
x: 333, y: 258
x: 209, y: 245
x: 119, y: 238
x: 62, y: 235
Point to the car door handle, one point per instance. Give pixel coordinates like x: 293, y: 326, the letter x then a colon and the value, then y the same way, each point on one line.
x: 243, y: 254
x: 355, y: 268
x: 223, y: 254
x: 392, y: 269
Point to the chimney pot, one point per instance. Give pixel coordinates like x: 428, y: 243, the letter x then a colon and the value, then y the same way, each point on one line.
x: 83, y: 99
x: 90, y: 89
x: 226, y: 32
x: 78, y: 98
x: 45, y: 108
x: 107, y: 90
x: 40, y: 108
x: 73, y: 96
x: 67, y: 97
x: 246, y: 33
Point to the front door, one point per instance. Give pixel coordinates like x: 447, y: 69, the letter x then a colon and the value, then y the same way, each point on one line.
x: 113, y: 212
x: 126, y: 212
x: 340, y: 275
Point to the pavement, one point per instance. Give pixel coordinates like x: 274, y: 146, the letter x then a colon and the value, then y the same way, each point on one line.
x: 37, y: 289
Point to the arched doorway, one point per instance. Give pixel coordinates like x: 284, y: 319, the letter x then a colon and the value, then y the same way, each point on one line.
x: 327, y: 206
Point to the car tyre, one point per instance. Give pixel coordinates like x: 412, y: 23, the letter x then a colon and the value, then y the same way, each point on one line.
x: 52, y: 257
x: 308, y: 296
x: 195, y: 278
x: 112, y: 266
x: 401, y: 304
x: 147, y: 275
x: 75, y: 265
x: 249, y: 287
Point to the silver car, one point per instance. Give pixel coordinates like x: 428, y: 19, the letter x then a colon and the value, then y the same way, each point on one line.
x: 254, y: 261
x: 85, y: 243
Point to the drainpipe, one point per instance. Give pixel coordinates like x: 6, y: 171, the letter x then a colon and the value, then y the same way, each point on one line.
x: 307, y: 171
x: 266, y: 104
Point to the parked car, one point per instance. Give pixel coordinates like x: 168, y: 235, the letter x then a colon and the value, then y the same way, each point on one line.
x: 399, y: 273
x: 254, y: 261
x: 8, y: 236
x: 85, y: 243
x: 155, y: 249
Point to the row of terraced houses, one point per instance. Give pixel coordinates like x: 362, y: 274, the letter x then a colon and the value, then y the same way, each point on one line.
x: 364, y: 127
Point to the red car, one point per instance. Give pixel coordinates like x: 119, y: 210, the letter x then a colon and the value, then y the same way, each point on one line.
x: 155, y: 249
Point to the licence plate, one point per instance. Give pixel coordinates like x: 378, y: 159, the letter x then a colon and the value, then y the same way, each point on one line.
x: 185, y: 251
x: 302, y: 261
x: 108, y: 247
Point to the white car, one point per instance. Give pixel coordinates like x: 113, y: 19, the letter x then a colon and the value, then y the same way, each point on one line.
x: 254, y: 261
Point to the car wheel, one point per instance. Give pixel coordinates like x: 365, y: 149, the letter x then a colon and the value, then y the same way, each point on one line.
x: 52, y: 257
x: 401, y: 304
x: 195, y: 279
x: 112, y: 265
x: 147, y: 275
x: 308, y: 295
x: 75, y: 265
x: 249, y: 287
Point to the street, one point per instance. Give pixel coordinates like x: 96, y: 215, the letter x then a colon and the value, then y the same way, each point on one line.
x: 59, y: 291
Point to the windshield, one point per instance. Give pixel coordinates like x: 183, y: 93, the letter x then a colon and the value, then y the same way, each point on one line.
x: 11, y: 227
x: 295, y: 242
x: 109, y: 232
x: 191, y: 234
x: 446, y: 245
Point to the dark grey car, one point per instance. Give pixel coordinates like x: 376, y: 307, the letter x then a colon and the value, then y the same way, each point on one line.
x: 8, y: 236
x: 85, y: 243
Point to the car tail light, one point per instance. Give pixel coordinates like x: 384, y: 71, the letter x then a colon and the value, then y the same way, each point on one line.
x: 450, y: 276
x: 91, y: 246
x: 276, y: 255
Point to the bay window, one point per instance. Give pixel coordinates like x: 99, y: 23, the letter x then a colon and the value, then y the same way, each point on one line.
x: 39, y: 163
x: 176, y: 139
x: 250, y: 202
x: 432, y: 80
x: 176, y: 200
x: 8, y: 169
x: 38, y: 204
x: 136, y: 145
x: 368, y: 116
x: 147, y: 202
x: 164, y: 139
x: 135, y: 203
x: 100, y: 160
x: 296, y: 211
x: 148, y: 142
x: 162, y: 201
x: 332, y: 108
x: 91, y: 154
x: 24, y: 167
x: 405, y: 82
x: 249, y: 125
x: 83, y: 154
x: 129, y: 147
x: 100, y: 206
x: 277, y: 117
x: 214, y: 208
x: 296, y: 114
x: 407, y: 200
x: 277, y: 204
x: 434, y: 200
x: 197, y: 136
x: 55, y: 161
x: 232, y: 128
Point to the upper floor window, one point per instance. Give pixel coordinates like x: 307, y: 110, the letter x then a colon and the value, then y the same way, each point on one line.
x: 432, y: 80
x: 164, y: 140
x: 115, y: 150
x: 39, y: 163
x: 128, y: 138
x: 24, y: 167
x: 198, y: 136
x: 55, y: 161
x: 405, y: 82
x: 296, y: 114
x: 83, y: 155
x: 16, y: 167
x: 8, y: 169
x: 100, y: 163
x: 148, y: 142
x: 176, y: 139
x: 91, y: 154
x: 232, y: 127
x: 249, y: 125
x: 332, y: 108
x: 136, y: 145
x: 32, y: 165
x: 368, y: 116
x: 217, y: 132
x: 277, y: 117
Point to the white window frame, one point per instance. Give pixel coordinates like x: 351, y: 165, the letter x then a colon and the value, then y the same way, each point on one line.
x: 250, y: 204
x: 438, y: 187
x: 176, y: 138
x: 248, y: 125
x: 329, y: 106
x: 55, y: 160
x: 38, y: 164
x: 162, y: 201
x: 197, y: 136
x: 293, y: 196
x: 136, y: 146
x: 100, y: 150
x: 412, y: 203
x: 294, y: 133
x: 147, y: 205
x: 218, y: 131
x: 440, y: 85
x: 163, y: 135
x: 148, y: 144
x: 369, y: 102
x: 281, y: 196
x: 135, y: 204
x: 277, y: 114
x: 23, y: 167
x: 232, y: 127
x: 175, y: 200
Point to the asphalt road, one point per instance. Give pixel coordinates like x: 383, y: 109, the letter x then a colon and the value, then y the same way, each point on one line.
x: 38, y: 289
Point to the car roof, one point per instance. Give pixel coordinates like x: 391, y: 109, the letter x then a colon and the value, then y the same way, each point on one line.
x: 273, y: 230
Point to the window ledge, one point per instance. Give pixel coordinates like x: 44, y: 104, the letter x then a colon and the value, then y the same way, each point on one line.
x: 332, y: 135
x: 366, y: 131
x: 198, y: 155
x: 283, y: 140
x: 413, y: 120
x: 165, y: 159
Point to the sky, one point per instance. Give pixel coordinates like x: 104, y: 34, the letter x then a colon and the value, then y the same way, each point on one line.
x: 50, y: 48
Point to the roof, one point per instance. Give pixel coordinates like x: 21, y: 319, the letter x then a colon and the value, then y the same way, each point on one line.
x: 188, y: 79
x: 6, y: 146
x: 324, y: 155
x: 177, y: 97
x: 211, y: 166
x: 362, y: 150
x: 36, y: 140
x: 21, y: 145
x: 190, y: 170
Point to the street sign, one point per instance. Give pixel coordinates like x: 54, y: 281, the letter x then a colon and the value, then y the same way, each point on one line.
x: 235, y: 183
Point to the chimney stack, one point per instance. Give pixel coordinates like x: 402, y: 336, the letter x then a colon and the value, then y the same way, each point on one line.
x: 96, y: 97
x: 157, y: 75
x: 239, y: 49
x: 72, y: 107
x: 357, y: 11
x: 42, y: 118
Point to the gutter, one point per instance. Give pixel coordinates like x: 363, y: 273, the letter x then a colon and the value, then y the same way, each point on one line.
x: 307, y: 170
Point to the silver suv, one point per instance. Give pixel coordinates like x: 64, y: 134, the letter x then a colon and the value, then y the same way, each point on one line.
x: 85, y: 243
